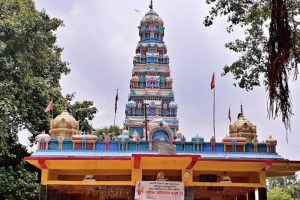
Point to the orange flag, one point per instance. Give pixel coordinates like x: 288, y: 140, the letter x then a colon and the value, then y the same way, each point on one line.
x: 212, y: 82
x: 50, y: 106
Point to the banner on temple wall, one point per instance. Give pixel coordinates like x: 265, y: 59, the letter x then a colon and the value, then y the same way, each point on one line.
x: 159, y: 190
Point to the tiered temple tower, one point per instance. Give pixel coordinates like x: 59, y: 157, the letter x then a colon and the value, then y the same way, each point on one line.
x: 151, y: 85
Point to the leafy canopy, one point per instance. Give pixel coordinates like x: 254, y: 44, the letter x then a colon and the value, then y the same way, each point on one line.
x: 30, y: 71
x: 283, y: 188
x: 270, y: 52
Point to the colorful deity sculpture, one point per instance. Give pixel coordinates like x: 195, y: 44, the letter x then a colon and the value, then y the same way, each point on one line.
x: 107, y: 141
x: 255, y: 144
x: 183, y: 140
x: 213, y: 144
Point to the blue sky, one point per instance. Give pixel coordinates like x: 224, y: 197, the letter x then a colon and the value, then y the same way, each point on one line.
x: 99, y: 40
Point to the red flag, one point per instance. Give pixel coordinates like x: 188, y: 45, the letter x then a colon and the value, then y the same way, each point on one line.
x: 116, y: 101
x: 212, y: 82
x: 50, y: 106
x: 229, y: 115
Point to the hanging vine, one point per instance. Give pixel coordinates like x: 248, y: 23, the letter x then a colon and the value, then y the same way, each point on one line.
x: 280, y: 48
x: 273, y: 55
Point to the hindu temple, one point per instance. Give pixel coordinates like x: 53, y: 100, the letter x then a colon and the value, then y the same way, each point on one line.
x: 151, y: 159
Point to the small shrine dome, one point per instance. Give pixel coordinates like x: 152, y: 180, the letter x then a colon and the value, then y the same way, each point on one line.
x: 43, y: 137
x: 125, y: 132
x: 64, y: 125
x: 173, y: 104
x: 123, y: 137
x: 271, y: 140
x: 242, y: 127
x: 131, y: 104
x: 197, y: 138
x: 178, y: 134
x: 152, y: 17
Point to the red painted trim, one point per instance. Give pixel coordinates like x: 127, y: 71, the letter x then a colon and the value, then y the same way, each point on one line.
x: 159, y: 155
x: 137, y: 161
x: 42, y: 164
x: 256, y: 160
x: 193, y: 162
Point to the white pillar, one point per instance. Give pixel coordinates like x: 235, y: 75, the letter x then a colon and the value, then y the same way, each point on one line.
x: 256, y: 194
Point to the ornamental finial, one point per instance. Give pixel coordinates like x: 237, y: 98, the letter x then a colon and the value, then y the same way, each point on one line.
x: 241, y: 114
x: 151, y: 5
x: 242, y: 108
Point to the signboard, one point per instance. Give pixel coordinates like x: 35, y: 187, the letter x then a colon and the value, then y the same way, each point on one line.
x: 159, y: 190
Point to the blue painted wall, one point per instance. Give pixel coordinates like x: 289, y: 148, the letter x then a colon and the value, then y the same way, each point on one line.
x: 144, y: 146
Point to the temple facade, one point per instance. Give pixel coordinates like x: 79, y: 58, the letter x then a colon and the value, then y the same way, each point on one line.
x: 151, y: 159
x: 151, y: 111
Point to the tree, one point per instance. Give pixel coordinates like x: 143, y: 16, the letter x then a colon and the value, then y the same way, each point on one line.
x: 280, y: 194
x: 19, y: 184
x: 30, y: 70
x: 111, y: 130
x: 83, y: 111
x: 283, y: 187
x: 270, y: 52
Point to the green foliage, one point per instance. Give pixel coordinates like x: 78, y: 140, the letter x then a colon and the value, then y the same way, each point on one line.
x: 113, y: 131
x: 16, y: 183
x: 283, y: 188
x: 84, y: 112
x: 255, y: 62
x: 280, y: 194
x: 30, y: 62
x: 281, y: 181
x: 30, y: 70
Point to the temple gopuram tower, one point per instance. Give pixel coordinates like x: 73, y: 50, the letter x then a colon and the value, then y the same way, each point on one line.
x: 151, y: 85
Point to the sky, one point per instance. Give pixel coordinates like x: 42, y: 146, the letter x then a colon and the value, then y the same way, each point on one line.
x: 99, y: 38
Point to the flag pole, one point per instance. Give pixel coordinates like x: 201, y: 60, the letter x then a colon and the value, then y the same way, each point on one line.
x: 213, y: 87
x: 116, y: 101
x: 214, y: 111
x: 115, y: 120
x: 229, y: 115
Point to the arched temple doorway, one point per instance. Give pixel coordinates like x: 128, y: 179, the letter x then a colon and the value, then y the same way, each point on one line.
x: 160, y: 136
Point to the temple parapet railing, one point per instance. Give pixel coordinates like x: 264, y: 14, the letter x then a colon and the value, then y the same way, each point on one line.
x: 144, y: 146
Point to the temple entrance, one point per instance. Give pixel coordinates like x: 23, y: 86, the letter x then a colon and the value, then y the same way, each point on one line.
x: 160, y: 137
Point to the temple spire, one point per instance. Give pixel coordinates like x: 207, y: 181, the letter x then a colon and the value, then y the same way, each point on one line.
x: 241, y: 114
x: 151, y: 5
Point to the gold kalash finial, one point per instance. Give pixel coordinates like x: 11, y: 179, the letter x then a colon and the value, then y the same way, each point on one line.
x: 241, y: 114
x: 151, y: 5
